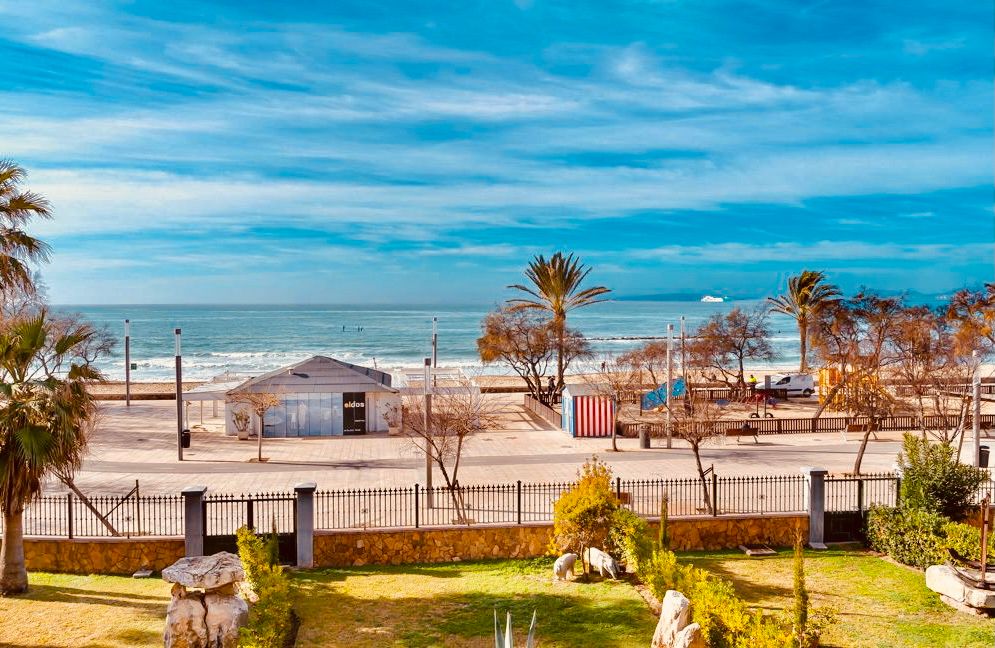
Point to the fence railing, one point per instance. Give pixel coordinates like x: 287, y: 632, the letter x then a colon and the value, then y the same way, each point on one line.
x: 543, y: 411
x: 68, y: 516
x: 520, y: 502
x: 766, y: 426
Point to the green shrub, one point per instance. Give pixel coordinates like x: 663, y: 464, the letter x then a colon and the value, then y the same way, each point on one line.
x: 629, y: 538
x: 663, y: 536
x: 800, y: 625
x: 933, y: 479
x: 271, y: 617
x: 583, y: 516
x: 965, y: 539
x: 910, y: 536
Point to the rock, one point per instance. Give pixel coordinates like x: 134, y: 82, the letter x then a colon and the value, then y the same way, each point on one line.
x: 602, y: 563
x: 564, y: 565
x: 943, y: 580
x: 690, y: 637
x: 205, y: 572
x: 226, y: 613
x: 674, y: 616
x: 186, y: 625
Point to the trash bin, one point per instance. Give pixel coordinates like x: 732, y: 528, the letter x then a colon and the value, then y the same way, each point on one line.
x: 185, y: 438
x: 644, y: 436
x: 983, y: 456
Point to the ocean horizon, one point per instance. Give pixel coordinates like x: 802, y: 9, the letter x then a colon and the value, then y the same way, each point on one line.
x: 255, y: 338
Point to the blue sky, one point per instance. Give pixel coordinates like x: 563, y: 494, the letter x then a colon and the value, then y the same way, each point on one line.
x: 422, y: 152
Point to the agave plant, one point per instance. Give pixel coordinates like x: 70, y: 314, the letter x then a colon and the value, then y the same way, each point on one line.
x: 505, y: 639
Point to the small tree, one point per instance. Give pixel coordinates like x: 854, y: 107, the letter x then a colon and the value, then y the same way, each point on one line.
x: 800, y: 626
x: 725, y: 343
x: 259, y: 403
x: 583, y: 516
x: 933, y: 479
x: 459, y: 413
x: 528, y: 344
x: 696, y: 420
x: 651, y: 357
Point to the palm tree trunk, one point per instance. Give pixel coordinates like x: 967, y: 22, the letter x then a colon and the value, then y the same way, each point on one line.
x: 803, y: 345
x: 13, y: 574
x: 560, y: 325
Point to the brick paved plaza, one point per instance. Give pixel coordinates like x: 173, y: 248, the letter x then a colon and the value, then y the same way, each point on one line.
x: 140, y: 443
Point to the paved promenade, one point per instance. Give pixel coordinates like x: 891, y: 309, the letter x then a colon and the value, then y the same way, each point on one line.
x: 140, y: 443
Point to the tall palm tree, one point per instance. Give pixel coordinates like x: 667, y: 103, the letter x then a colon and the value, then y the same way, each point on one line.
x: 18, y: 249
x: 45, y: 415
x: 556, y: 289
x: 808, y: 293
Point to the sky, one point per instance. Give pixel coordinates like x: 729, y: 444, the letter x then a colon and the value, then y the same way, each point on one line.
x: 421, y: 152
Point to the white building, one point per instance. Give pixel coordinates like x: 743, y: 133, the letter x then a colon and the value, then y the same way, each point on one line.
x: 321, y: 397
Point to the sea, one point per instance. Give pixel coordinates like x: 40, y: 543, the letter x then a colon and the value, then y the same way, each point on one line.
x: 249, y: 340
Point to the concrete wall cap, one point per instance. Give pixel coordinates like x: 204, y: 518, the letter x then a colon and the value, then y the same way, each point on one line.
x: 811, y: 470
x: 306, y: 486
x: 190, y: 491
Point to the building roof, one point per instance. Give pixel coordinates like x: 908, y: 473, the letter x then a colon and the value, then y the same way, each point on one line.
x: 319, y: 374
x: 584, y: 389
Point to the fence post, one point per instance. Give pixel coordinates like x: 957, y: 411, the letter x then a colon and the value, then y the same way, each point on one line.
x: 69, y: 510
x: 815, y: 497
x: 618, y: 488
x: 305, y: 523
x: 193, y: 519
x: 416, y: 506
x: 518, y: 489
x: 715, y: 494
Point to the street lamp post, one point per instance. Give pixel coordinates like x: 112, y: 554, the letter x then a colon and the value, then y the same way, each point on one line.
x: 179, y: 397
x: 670, y: 383
x: 428, y: 433
x: 127, y: 363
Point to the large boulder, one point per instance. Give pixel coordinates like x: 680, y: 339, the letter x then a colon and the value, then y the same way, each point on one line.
x: 944, y: 580
x: 675, y: 613
x: 205, y: 572
x: 186, y: 624
x: 690, y: 637
x: 226, y: 613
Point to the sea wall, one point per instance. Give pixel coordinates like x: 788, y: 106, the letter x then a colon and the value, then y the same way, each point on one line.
x: 101, y: 555
x: 400, y: 546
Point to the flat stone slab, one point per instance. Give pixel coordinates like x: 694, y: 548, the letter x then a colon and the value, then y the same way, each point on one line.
x: 943, y: 580
x: 205, y: 572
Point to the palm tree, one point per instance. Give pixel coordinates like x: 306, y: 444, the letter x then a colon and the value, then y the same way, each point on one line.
x: 17, y: 248
x: 45, y: 415
x: 808, y: 293
x: 556, y: 289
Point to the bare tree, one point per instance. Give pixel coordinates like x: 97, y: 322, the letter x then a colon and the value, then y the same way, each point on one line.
x: 651, y: 357
x: 259, y: 403
x: 696, y: 420
x: 528, y: 344
x: 458, y: 413
x: 616, y: 378
x: 725, y: 343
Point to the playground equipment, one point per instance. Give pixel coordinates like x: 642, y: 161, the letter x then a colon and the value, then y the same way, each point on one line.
x: 854, y: 392
x: 658, y: 397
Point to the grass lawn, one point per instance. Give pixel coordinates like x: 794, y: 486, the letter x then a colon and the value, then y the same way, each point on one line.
x: 879, y: 603
x: 85, y: 611
x: 452, y: 605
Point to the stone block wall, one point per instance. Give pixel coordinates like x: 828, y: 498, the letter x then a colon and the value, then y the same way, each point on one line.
x: 122, y: 556
x: 399, y: 546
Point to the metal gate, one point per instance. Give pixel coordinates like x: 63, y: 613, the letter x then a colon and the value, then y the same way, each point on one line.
x: 848, y: 499
x: 265, y: 514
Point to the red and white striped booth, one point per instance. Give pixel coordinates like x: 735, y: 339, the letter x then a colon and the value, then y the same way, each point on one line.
x: 586, y: 413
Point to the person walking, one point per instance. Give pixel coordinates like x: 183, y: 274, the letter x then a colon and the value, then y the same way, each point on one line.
x: 752, y: 382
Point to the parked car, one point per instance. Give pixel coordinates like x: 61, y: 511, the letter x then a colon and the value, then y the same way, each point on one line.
x: 792, y: 384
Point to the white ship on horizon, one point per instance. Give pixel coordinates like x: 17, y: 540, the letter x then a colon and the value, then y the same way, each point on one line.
x: 711, y: 299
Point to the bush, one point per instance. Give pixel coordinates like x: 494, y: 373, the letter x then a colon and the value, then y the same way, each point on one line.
x: 271, y: 617
x: 965, y: 540
x: 629, y: 538
x: 933, y: 479
x: 583, y: 516
x: 910, y: 536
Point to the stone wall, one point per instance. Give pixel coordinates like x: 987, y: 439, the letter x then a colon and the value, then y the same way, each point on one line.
x: 399, y: 546
x: 101, y: 555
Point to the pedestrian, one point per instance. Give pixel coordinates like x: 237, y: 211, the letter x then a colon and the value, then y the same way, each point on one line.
x: 752, y: 382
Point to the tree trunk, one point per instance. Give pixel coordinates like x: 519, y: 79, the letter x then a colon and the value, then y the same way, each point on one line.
x: 615, y: 425
x: 560, y: 325
x: 701, y: 474
x: 71, y: 485
x: 860, y: 452
x: 13, y: 575
x: 803, y: 345
x: 259, y: 440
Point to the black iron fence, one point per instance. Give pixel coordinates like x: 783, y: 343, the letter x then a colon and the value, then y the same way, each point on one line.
x: 69, y: 516
x: 521, y: 502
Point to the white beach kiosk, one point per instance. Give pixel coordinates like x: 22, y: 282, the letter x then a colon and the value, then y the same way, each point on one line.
x: 320, y: 396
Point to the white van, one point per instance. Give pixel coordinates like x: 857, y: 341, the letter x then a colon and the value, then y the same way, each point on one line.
x: 793, y: 384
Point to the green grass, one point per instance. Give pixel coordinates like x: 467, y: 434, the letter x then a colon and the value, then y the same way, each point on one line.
x: 85, y: 611
x: 453, y: 605
x: 880, y: 604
